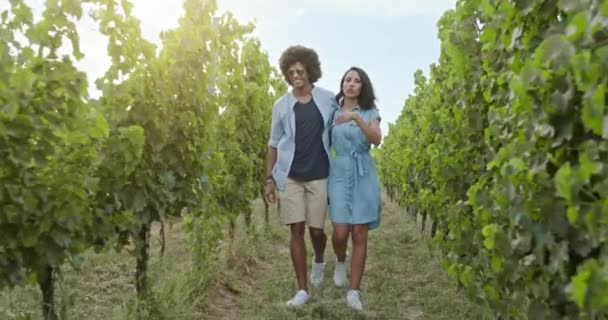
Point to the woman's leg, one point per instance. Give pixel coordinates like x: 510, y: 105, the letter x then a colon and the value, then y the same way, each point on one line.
x: 340, y: 240
x: 359, y: 256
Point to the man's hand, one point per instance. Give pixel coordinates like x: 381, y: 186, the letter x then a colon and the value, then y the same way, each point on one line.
x: 270, y: 191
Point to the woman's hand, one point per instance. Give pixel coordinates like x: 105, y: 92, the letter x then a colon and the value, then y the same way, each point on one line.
x: 347, y: 116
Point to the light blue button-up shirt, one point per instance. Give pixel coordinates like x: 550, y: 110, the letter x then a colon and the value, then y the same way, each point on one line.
x: 283, y: 129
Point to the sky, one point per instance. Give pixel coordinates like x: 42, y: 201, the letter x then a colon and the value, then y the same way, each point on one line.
x: 389, y: 39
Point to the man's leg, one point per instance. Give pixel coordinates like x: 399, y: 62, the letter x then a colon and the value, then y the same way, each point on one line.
x: 297, y: 248
x: 319, y: 241
x: 316, y: 213
x: 293, y: 214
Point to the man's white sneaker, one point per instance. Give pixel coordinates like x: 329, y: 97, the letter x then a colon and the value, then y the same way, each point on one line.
x: 299, y: 299
x: 340, y: 274
x: 317, y: 273
x: 353, y: 299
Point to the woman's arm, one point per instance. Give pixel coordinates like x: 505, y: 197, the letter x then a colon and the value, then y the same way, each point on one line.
x: 371, y: 130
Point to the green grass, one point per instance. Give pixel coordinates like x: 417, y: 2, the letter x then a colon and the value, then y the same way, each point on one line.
x: 252, y: 279
x: 103, y: 287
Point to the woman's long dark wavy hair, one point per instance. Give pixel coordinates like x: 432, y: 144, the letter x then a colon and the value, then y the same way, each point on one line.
x: 367, y: 98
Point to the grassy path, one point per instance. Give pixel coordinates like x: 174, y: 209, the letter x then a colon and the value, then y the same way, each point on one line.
x: 402, y: 280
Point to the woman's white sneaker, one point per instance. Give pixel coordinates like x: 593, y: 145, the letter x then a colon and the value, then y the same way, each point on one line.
x: 353, y: 299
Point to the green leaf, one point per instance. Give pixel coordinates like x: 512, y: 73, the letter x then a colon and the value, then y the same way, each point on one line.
x: 32, y: 279
x: 100, y: 129
x: 578, y: 25
x: 563, y: 182
x: 488, y: 7
x: 601, y: 54
x: 491, y: 292
x: 467, y: 277
x: 579, y: 286
x: 593, y: 109
x: 572, y: 215
x: 517, y: 164
x: 30, y: 237
x: 496, y: 263
x: 587, y: 168
x: 557, y: 51
x: 11, y: 108
x: 489, y: 232
x: 127, y: 7
x: 488, y: 37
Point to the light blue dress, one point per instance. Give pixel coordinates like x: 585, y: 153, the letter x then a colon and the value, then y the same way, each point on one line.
x: 354, y: 187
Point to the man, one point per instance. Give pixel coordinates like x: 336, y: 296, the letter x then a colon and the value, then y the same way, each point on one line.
x: 297, y: 162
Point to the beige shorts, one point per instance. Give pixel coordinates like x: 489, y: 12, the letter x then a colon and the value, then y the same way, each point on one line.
x: 304, y: 201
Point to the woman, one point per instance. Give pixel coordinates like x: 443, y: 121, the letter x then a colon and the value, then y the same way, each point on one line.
x: 354, y: 188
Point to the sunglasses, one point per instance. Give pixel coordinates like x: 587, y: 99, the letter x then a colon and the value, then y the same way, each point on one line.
x: 292, y: 72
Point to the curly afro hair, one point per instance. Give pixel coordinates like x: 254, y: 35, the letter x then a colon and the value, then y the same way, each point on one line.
x: 306, y: 56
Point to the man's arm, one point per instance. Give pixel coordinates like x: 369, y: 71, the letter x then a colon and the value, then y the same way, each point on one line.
x: 271, y: 159
x: 276, y: 133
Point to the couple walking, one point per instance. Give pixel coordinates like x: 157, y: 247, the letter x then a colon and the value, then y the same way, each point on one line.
x: 307, y: 122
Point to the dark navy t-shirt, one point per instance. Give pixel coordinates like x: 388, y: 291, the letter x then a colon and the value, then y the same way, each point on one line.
x: 310, y: 161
